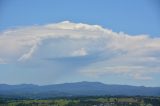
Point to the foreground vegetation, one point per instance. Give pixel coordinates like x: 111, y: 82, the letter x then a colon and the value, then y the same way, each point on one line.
x: 83, y: 101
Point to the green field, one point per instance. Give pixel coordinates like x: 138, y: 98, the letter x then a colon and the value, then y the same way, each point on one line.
x: 83, y: 101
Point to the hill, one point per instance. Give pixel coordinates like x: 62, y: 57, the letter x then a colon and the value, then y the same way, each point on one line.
x: 75, y: 89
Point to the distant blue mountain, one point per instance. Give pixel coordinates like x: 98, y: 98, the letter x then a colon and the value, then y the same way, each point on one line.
x: 75, y: 89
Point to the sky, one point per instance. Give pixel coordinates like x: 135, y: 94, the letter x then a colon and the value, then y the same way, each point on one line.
x: 57, y: 41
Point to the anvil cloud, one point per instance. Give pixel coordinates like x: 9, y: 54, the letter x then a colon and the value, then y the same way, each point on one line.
x: 137, y: 56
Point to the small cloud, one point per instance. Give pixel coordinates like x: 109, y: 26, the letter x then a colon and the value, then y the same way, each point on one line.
x: 79, y: 52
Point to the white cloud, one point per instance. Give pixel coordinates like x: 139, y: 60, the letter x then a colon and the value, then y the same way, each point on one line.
x: 19, y: 41
x: 119, y: 52
x: 79, y: 52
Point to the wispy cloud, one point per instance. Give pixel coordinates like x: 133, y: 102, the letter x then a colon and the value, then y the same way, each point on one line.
x: 28, y: 54
x: 119, y: 53
x: 2, y: 61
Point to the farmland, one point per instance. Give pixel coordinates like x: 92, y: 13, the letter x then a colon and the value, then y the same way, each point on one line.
x: 83, y: 101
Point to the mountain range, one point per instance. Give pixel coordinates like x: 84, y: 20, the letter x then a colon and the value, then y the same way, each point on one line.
x: 75, y: 89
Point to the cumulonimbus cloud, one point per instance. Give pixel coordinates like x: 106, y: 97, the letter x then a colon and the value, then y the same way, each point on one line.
x: 78, y: 39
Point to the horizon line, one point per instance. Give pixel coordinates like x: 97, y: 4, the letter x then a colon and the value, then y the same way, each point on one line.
x: 77, y: 82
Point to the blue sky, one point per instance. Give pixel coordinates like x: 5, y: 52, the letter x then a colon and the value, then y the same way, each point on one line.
x: 57, y: 41
x: 133, y: 17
